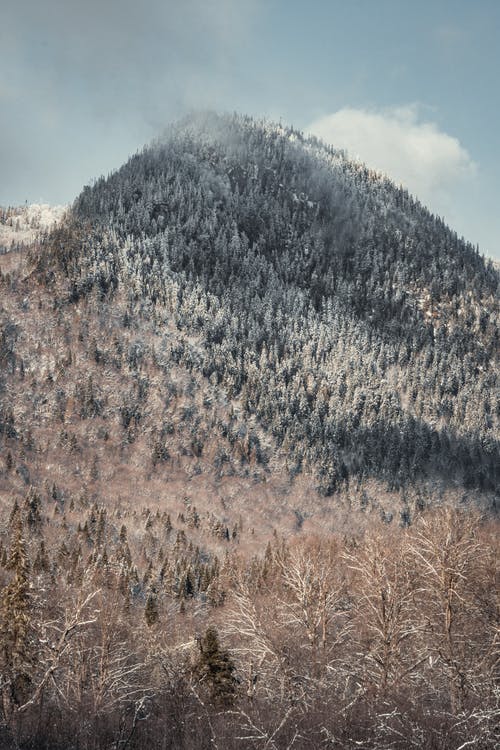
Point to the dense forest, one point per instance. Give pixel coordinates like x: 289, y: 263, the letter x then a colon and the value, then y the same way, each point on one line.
x: 356, y: 326
x: 249, y: 459
x: 118, y: 631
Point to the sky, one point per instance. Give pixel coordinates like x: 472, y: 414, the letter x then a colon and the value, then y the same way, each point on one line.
x: 411, y: 88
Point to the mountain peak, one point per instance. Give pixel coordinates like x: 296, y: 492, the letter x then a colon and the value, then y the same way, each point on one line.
x: 319, y: 293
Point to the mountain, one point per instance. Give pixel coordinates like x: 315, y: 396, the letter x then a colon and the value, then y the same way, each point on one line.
x: 355, y: 328
x: 248, y: 458
x: 19, y: 225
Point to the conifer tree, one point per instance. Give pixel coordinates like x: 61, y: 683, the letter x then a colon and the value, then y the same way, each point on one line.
x: 215, y: 668
x: 16, y: 626
x: 32, y: 506
x: 151, y: 614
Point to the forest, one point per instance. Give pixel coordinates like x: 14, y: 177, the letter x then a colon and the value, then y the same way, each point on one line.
x: 249, y: 458
x: 356, y: 326
x: 118, y: 632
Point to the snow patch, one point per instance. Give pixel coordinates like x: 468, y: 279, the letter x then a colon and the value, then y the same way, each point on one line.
x: 20, y: 225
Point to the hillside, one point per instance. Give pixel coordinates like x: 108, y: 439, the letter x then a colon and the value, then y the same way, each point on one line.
x: 249, y: 459
x: 355, y: 327
x: 19, y: 225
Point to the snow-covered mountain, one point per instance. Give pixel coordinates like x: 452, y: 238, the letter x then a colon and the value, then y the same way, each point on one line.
x: 19, y: 225
x: 249, y: 455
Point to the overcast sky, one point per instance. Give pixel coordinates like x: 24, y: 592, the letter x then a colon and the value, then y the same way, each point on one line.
x: 409, y: 87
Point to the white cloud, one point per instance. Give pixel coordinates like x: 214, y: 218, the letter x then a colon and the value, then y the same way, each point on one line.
x: 449, y: 35
x: 431, y: 163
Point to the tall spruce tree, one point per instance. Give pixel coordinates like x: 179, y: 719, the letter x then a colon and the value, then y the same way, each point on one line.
x: 16, y: 626
x: 215, y: 668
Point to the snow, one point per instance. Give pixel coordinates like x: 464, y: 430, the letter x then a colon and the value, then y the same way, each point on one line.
x: 21, y: 224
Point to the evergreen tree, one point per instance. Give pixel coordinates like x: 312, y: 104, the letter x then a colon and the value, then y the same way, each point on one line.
x: 17, y: 653
x: 215, y: 668
x: 151, y: 614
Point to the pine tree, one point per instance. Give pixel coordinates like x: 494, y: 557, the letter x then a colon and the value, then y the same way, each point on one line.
x: 16, y: 626
x: 215, y: 668
x: 151, y: 614
x: 32, y: 505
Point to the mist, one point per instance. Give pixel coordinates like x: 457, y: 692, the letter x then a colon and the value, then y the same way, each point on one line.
x: 84, y: 85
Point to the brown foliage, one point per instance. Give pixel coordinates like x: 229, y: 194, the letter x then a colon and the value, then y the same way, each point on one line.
x: 385, y: 640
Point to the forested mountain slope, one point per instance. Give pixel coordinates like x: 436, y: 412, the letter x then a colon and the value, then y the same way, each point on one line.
x: 355, y: 326
x: 242, y: 383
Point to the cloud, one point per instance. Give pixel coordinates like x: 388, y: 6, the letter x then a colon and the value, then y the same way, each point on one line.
x: 400, y: 143
x: 123, y: 53
x: 449, y: 35
x: 83, y: 84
